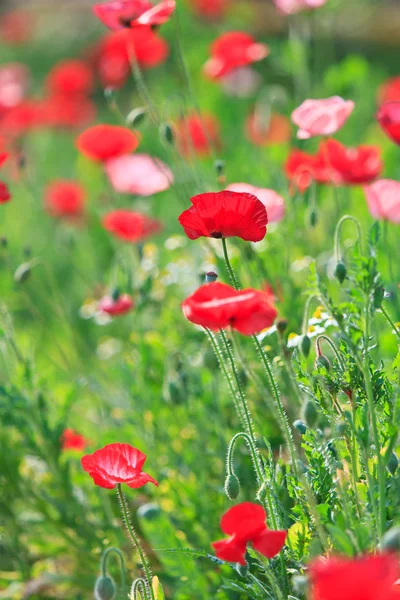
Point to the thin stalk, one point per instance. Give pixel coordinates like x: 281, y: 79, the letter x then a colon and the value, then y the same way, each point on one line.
x: 231, y: 272
x: 390, y: 321
x: 134, y: 539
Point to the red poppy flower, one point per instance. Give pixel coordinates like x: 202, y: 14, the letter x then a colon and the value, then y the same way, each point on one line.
x: 70, y: 78
x: 225, y: 214
x: 117, y: 463
x: 3, y: 157
x: 231, y: 51
x: 211, y: 9
x: 245, y: 524
x: 64, y: 198
x: 389, y: 91
x: 302, y: 169
x: 118, y: 14
x: 365, y: 578
x: 388, y: 117
x: 68, y: 112
x: 130, y: 226
x: 103, y: 142
x: 118, y: 49
x: 199, y: 134
x: 218, y: 306
x: 5, y: 195
x: 115, y: 306
x: 23, y: 118
x: 71, y: 440
x: 275, y: 129
x: 352, y: 165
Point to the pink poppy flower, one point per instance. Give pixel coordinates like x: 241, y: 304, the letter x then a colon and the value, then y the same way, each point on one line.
x: 321, y: 117
x: 291, y: 7
x: 14, y: 82
x: 138, y: 174
x: 132, y: 13
x: 115, y: 306
x: 383, y: 199
x: 273, y: 202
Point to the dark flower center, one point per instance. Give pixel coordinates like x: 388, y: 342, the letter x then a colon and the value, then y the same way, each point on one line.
x: 217, y: 235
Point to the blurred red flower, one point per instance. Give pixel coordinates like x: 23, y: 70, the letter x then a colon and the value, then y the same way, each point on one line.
x: 383, y: 199
x: 118, y: 14
x: 211, y: 9
x: 64, y: 199
x: 16, y: 27
x: 3, y: 157
x: 217, y: 306
x: 23, y: 118
x: 130, y: 226
x: 388, y: 117
x: 70, y: 78
x: 117, y: 463
x: 321, y: 117
x: 245, y: 524
x: 275, y: 129
x: 198, y: 134
x: 365, y: 578
x: 389, y: 91
x: 68, y: 112
x: 351, y: 165
x: 118, y: 49
x: 71, y: 440
x: 103, y: 142
x: 302, y: 169
x: 5, y: 195
x: 233, y: 50
x: 115, y: 306
x: 225, y: 214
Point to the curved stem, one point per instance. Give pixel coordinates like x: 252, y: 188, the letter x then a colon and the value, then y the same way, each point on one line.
x: 333, y: 346
x: 338, y: 231
x: 104, y: 560
x: 135, y: 589
x: 134, y: 539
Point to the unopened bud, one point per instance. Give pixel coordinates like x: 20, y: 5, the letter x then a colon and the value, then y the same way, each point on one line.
x: 219, y: 166
x: 379, y: 294
x: 313, y: 218
x: 115, y: 294
x: 211, y: 277
x: 3, y: 242
x: 210, y: 360
x: 149, y: 511
x: 167, y: 133
x: 300, y: 426
x: 281, y: 325
x: 310, y: 413
x: 393, y: 463
x: 22, y: 272
x: 305, y: 345
x: 340, y: 272
x: 322, y: 362
x: 104, y: 588
x: 391, y: 540
x: 232, y: 486
x: 136, y: 117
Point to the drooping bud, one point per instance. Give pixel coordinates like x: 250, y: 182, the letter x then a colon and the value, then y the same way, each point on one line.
x: 136, y: 116
x: 322, y: 362
x: 104, y: 588
x: 211, y: 277
x: 305, y: 345
x: 313, y: 218
x: 379, y: 294
x: 391, y: 540
x: 300, y: 426
x: 210, y: 360
x: 340, y: 272
x: 115, y: 294
x: 219, y: 166
x: 167, y: 133
x: 232, y: 486
x: 281, y: 325
x: 149, y: 511
x: 22, y: 272
x: 3, y: 242
x: 393, y: 463
x: 310, y: 413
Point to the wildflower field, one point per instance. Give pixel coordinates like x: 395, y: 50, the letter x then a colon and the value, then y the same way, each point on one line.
x: 199, y: 300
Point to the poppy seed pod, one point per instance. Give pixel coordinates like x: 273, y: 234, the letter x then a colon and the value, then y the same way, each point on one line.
x: 104, y: 588
x: 232, y: 486
x: 310, y: 413
x: 305, y: 345
x: 391, y: 540
x: 167, y: 133
x: 340, y: 272
x: 211, y: 277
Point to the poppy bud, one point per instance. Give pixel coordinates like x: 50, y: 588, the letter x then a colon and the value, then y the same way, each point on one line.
x: 391, y: 540
x: 379, y: 294
x: 210, y: 360
x: 115, y: 294
x: 149, y: 511
x: 167, y: 133
x: 310, y: 413
x: 300, y: 426
x: 322, y: 362
x: 305, y: 345
x: 313, y: 218
x: 136, y: 117
x: 22, y: 272
x: 21, y: 161
x: 300, y: 584
x: 211, y: 277
x: 219, y: 166
x: 232, y: 486
x: 393, y: 463
x: 3, y: 242
x: 340, y: 272
x: 104, y: 588
x: 281, y: 325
